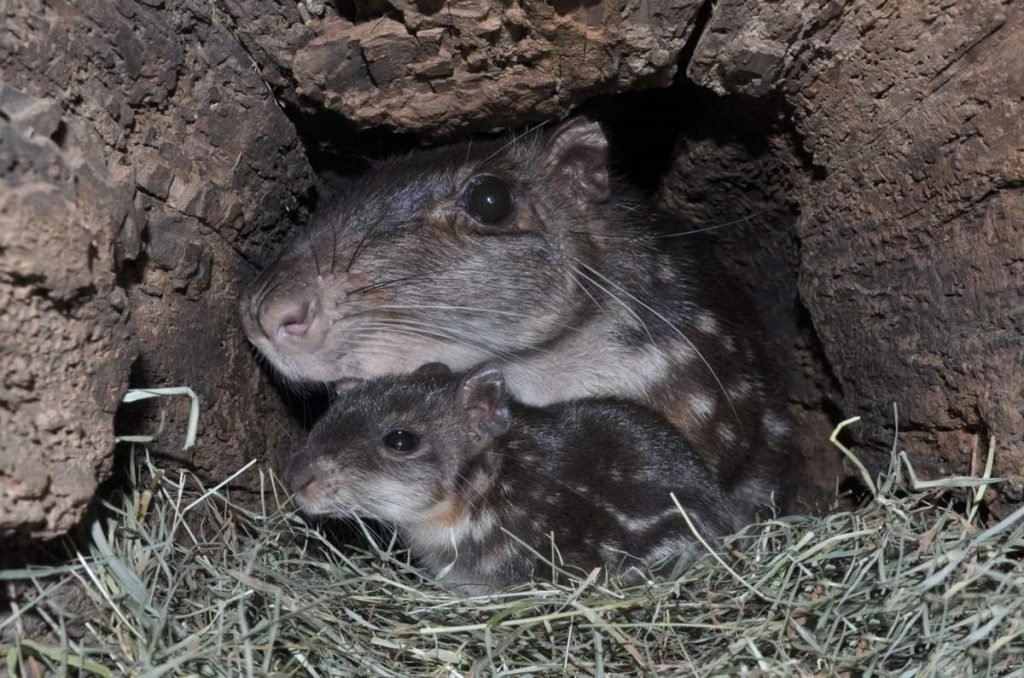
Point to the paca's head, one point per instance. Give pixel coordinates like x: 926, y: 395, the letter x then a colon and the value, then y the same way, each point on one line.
x: 456, y: 255
x: 402, y: 449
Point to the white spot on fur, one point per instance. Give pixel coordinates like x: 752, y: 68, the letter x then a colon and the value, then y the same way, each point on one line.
x: 638, y: 525
x: 701, y: 406
x: 726, y: 434
x: 668, y: 548
x: 774, y: 426
x: 430, y: 536
x: 741, y: 389
x: 707, y: 324
x: 682, y: 352
x: 666, y: 269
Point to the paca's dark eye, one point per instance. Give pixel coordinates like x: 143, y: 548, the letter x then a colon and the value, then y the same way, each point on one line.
x: 489, y: 199
x: 401, y: 440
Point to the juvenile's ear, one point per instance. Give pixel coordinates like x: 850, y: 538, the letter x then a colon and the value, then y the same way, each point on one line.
x: 483, y: 400
x: 578, y: 151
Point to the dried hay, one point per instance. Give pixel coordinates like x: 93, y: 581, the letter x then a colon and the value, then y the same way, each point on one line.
x: 185, y: 581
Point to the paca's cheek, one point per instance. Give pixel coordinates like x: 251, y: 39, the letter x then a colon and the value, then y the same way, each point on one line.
x: 398, y: 500
x: 402, y: 350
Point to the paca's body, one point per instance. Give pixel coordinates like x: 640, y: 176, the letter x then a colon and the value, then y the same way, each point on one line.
x: 474, y: 481
x: 527, y: 253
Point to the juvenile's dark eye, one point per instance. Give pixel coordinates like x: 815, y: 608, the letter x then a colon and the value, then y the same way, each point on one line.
x: 401, y: 440
x: 489, y: 199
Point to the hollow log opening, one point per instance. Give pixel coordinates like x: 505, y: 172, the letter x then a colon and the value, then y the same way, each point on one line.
x: 728, y: 167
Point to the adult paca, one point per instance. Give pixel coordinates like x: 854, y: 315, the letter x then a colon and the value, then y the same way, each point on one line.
x: 529, y: 253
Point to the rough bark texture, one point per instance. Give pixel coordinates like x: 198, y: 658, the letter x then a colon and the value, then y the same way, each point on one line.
x: 868, y: 157
x: 444, y: 66
x: 63, y: 331
x: 153, y: 167
x: 912, y: 220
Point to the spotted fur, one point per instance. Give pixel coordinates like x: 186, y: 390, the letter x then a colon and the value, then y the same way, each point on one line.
x: 583, y: 291
x: 586, y: 483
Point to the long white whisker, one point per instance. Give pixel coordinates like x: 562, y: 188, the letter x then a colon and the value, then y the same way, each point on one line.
x: 624, y: 305
x: 678, y: 234
x: 576, y: 279
x: 514, y: 138
x: 413, y: 327
x: 447, y: 336
x: 471, y: 309
x: 711, y: 370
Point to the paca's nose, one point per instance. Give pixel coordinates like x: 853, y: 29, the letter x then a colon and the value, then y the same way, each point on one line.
x: 287, y: 313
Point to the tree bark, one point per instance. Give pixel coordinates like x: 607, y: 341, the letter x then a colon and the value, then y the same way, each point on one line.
x: 911, y: 222
x: 148, y: 171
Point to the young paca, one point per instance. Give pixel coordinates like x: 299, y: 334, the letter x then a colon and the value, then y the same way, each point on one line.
x: 478, y: 485
x: 526, y: 252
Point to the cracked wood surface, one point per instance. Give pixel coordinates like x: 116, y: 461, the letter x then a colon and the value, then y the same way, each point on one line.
x: 177, y: 169
x: 459, y: 65
x: 912, y: 218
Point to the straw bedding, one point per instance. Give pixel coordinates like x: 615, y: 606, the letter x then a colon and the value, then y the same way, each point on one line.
x: 183, y: 580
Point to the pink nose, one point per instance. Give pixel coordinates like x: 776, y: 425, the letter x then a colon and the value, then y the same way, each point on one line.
x: 287, y: 312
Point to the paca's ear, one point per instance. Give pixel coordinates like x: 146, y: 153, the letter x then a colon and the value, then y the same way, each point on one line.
x: 578, y: 151
x: 483, y: 400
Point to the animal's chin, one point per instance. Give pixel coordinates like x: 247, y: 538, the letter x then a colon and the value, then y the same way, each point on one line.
x: 336, y: 507
x: 311, y: 369
x: 345, y: 370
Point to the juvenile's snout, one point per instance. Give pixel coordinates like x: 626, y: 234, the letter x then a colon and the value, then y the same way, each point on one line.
x: 300, y: 471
